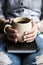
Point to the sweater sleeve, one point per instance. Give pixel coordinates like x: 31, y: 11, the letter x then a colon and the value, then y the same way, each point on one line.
x: 1, y: 10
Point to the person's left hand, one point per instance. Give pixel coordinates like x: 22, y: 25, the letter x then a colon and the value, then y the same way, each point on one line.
x: 30, y: 35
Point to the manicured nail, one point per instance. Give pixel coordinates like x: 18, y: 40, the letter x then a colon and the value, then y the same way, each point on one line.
x: 17, y: 34
x: 24, y: 39
x: 26, y: 32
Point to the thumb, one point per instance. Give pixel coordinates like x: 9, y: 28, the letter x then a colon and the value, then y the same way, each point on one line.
x: 33, y: 23
x: 11, y: 21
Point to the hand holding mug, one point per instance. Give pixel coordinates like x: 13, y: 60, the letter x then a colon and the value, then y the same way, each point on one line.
x: 31, y: 34
x: 12, y: 34
x: 23, y: 29
x: 22, y: 24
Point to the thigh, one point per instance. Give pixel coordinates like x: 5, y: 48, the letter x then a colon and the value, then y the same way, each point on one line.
x: 31, y: 58
x: 39, y: 41
x: 15, y: 59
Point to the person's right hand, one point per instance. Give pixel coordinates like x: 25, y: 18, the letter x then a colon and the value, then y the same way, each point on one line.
x: 12, y: 34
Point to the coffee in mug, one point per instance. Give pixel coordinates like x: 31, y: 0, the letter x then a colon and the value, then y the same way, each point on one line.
x: 22, y: 24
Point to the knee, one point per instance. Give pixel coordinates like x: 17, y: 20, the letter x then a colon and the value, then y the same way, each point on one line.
x: 29, y: 60
x: 15, y: 60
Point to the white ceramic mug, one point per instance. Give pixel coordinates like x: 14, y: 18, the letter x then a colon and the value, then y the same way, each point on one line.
x: 22, y: 24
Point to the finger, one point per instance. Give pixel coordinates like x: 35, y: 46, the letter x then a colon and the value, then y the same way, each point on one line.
x: 12, y: 39
x: 29, y: 39
x: 13, y: 35
x: 16, y: 40
x: 33, y: 23
x: 11, y: 30
x: 30, y: 35
x: 30, y: 31
x: 26, y: 38
x: 11, y: 20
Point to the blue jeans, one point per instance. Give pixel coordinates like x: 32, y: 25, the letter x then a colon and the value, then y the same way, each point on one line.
x: 16, y: 60
x: 31, y: 58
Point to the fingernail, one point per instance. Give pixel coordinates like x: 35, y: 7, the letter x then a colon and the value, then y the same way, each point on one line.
x: 15, y: 30
x: 15, y: 40
x: 26, y: 32
x: 24, y: 39
x: 17, y: 34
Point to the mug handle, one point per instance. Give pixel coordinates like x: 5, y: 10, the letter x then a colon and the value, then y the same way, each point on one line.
x: 6, y: 26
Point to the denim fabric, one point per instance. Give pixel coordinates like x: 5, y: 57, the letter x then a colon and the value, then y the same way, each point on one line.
x: 31, y: 58
x: 14, y: 58
x: 25, y: 8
